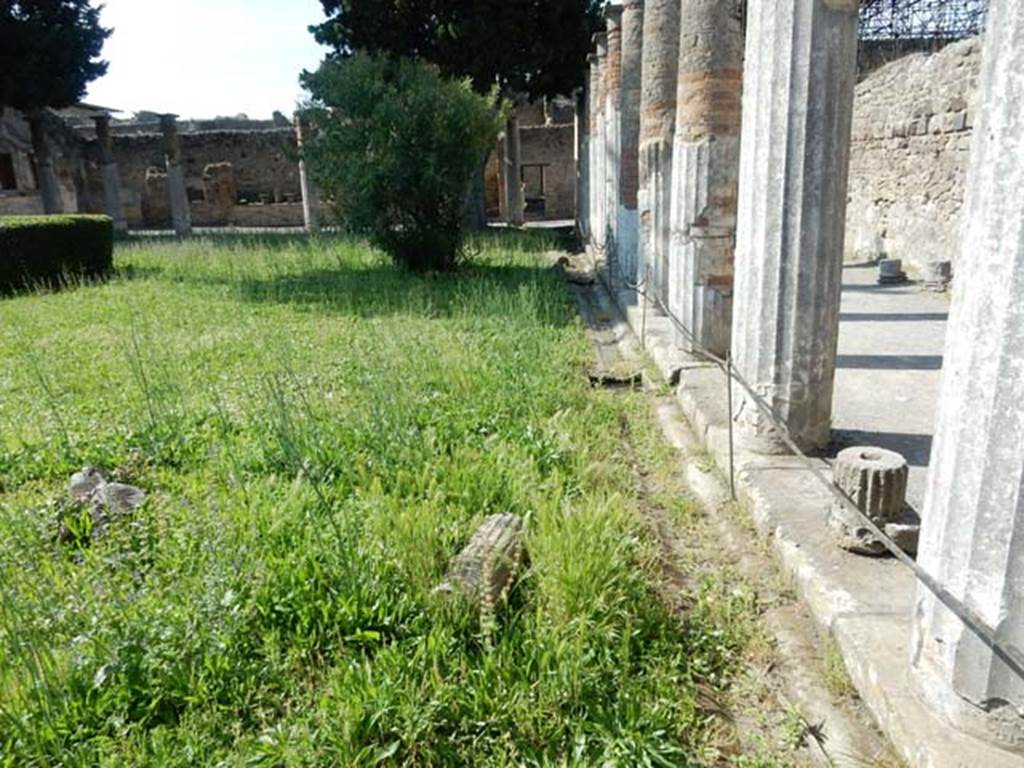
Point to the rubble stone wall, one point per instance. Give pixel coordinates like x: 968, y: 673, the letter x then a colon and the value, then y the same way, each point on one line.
x: 912, y: 126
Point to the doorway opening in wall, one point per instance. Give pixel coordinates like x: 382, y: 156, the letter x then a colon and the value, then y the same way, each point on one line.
x: 8, y: 181
x: 532, y: 177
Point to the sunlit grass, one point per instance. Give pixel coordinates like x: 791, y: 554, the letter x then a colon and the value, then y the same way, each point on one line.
x: 318, y: 434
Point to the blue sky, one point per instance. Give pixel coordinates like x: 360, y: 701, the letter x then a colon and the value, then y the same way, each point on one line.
x: 201, y: 58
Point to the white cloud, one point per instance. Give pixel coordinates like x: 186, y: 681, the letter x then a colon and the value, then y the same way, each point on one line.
x: 201, y: 58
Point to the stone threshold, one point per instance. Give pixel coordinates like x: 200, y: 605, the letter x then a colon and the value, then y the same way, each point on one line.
x: 865, y: 604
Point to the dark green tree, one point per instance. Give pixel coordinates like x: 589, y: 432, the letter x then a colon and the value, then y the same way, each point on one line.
x: 536, y: 47
x: 395, y: 147
x: 49, y: 52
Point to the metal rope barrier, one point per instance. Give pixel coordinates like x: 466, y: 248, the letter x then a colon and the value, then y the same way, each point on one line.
x: 1008, y: 653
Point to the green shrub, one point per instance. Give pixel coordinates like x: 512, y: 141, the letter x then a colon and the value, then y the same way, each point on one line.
x: 52, y: 249
x: 396, y: 148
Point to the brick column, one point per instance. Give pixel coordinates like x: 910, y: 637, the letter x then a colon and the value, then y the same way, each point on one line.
x: 705, y: 172
x: 972, y: 535
x: 798, y: 82
x: 659, y: 65
x: 612, y: 112
x: 181, y: 215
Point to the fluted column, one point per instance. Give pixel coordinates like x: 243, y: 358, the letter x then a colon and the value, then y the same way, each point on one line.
x: 706, y: 159
x: 798, y: 84
x: 310, y: 195
x: 612, y: 128
x: 111, y: 177
x: 659, y: 64
x: 972, y: 535
x: 628, y: 226
x: 181, y: 215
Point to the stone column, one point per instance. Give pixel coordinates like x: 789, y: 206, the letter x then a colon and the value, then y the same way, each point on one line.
x: 972, y: 534
x: 111, y: 178
x: 599, y: 222
x: 798, y: 84
x: 659, y: 64
x: 705, y: 171
x: 582, y: 121
x: 594, y: 148
x: 513, y: 172
x: 612, y: 99
x: 181, y: 216
x: 48, y: 188
x: 627, y: 225
x: 310, y: 195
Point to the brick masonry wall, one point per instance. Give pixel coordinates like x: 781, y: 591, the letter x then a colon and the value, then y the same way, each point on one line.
x: 911, y: 145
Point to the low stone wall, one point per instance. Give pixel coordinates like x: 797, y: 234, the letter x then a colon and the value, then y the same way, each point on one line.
x: 911, y: 146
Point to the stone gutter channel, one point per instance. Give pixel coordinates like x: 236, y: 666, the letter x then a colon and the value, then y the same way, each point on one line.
x: 864, y: 604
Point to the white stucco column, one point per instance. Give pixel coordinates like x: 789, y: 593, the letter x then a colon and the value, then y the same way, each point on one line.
x: 659, y: 67
x: 705, y: 171
x: 310, y: 195
x: 798, y: 82
x: 972, y: 535
x: 181, y: 215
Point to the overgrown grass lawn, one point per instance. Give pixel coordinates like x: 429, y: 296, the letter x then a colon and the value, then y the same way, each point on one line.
x: 318, y: 434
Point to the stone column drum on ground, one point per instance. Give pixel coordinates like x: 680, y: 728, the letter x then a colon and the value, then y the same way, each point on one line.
x: 181, y: 215
x: 111, y: 178
x: 798, y: 83
x: 972, y: 533
x: 627, y: 224
x: 513, y: 172
x: 310, y: 194
x: 705, y: 170
x: 659, y: 66
x: 612, y: 112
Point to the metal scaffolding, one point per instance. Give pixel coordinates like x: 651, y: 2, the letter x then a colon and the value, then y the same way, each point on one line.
x: 921, y: 20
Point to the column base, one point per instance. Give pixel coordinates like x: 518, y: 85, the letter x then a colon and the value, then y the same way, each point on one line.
x: 1001, y: 725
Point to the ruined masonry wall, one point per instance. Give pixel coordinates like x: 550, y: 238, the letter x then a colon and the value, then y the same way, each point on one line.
x: 912, y: 125
x: 553, y: 146
x: 263, y: 161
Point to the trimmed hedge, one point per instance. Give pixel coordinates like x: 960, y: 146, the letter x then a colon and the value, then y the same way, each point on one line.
x: 50, y: 250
